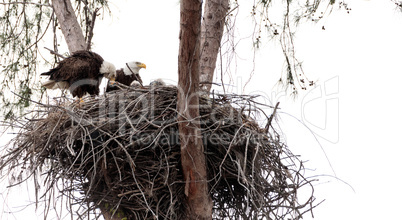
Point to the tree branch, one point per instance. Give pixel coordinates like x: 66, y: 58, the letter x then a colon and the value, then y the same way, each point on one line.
x: 55, y: 53
x: 270, y: 118
x: 69, y: 25
x: 25, y: 3
x: 91, y: 29
x: 212, y: 28
x: 192, y: 150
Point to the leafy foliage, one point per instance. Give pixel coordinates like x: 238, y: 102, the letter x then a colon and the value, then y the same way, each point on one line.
x: 398, y: 4
x: 281, y: 27
x: 23, y: 27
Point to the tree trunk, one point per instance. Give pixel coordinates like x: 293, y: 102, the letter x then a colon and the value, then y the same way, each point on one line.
x: 70, y: 27
x: 213, y: 23
x: 75, y: 40
x: 192, y: 149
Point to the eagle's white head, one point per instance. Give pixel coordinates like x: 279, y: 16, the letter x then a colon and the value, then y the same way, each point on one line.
x: 133, y: 67
x: 108, y: 70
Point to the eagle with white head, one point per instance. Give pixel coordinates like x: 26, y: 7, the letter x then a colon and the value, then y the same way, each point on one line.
x: 81, y: 73
x: 127, y: 75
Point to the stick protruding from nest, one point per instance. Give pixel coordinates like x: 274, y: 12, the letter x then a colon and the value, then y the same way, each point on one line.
x: 123, y: 149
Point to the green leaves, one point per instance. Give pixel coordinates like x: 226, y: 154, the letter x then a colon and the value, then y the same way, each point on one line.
x: 281, y: 27
x: 23, y: 26
x: 19, y: 24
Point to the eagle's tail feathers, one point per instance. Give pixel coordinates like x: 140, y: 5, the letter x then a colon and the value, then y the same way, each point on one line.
x: 51, y: 84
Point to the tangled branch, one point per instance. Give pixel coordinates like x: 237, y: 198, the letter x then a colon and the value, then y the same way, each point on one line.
x: 121, y: 152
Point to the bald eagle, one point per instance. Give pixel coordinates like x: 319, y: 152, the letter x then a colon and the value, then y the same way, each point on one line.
x: 127, y: 75
x: 81, y: 73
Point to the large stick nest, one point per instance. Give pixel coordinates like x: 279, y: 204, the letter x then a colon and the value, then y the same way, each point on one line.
x: 121, y: 152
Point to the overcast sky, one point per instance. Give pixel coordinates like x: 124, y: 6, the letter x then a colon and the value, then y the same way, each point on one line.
x: 350, y: 120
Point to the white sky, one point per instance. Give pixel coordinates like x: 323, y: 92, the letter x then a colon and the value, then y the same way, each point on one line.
x: 353, y: 113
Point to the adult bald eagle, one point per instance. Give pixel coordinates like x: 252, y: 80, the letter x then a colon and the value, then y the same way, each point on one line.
x: 81, y: 73
x: 127, y: 75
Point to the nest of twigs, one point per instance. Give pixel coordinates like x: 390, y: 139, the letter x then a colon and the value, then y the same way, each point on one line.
x: 121, y: 153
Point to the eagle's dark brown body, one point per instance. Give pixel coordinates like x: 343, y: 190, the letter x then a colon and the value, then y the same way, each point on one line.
x: 127, y: 79
x: 123, y: 79
x: 80, y: 73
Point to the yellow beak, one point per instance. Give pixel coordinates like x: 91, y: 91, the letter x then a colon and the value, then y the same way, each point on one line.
x: 142, y: 65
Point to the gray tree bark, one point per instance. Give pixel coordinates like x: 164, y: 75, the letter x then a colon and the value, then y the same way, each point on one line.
x: 192, y: 149
x: 70, y: 27
x: 75, y: 40
x: 213, y: 23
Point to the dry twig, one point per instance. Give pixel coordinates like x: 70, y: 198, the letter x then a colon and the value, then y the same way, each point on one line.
x: 121, y: 151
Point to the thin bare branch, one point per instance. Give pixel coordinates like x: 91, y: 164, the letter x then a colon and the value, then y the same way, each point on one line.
x: 55, y: 53
x: 122, y: 152
x: 25, y: 3
x: 91, y: 28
